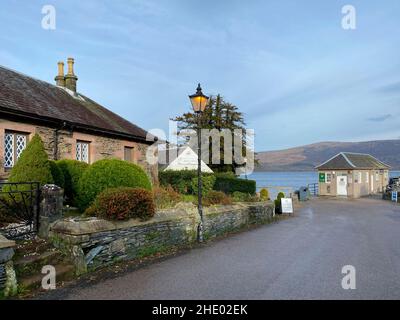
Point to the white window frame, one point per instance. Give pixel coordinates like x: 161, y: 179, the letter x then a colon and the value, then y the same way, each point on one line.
x: 82, y: 151
x: 19, y: 141
x: 360, y: 180
x: 326, y: 177
x: 367, y: 177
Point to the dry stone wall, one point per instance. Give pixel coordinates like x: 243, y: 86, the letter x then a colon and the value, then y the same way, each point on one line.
x: 93, y: 243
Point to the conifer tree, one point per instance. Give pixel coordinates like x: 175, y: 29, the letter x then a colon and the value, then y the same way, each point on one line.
x: 33, y: 164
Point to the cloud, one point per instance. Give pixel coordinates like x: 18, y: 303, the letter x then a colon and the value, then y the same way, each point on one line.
x: 380, y: 118
x: 391, y: 88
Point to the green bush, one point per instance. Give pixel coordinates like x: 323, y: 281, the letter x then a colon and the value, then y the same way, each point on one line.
x: 207, y: 184
x: 278, y: 203
x: 58, y: 175
x: 181, y: 180
x: 216, y: 198
x: 231, y: 185
x: 72, y: 171
x: 228, y: 174
x: 166, y: 197
x: 109, y: 173
x: 244, y: 197
x: 33, y: 164
x: 8, y: 208
x: 122, y: 204
x: 239, y: 196
x: 264, y: 194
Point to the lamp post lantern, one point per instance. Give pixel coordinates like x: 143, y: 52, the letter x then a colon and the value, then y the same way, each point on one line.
x: 199, y: 103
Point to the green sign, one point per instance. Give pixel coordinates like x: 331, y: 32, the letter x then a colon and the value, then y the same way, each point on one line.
x: 322, y: 177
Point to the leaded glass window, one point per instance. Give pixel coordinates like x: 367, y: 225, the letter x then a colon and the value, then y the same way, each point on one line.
x: 14, y: 144
x: 82, y: 151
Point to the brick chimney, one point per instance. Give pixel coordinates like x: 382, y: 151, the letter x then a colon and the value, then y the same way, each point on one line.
x: 71, y: 78
x: 60, y: 79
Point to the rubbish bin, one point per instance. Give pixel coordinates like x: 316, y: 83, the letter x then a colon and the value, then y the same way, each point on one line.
x: 304, y: 194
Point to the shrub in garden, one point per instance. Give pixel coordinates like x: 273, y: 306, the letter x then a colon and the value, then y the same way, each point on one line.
x: 244, y: 197
x: 122, y: 204
x: 228, y: 174
x: 72, y: 171
x: 181, y: 180
x: 216, y: 197
x: 58, y: 175
x: 208, y: 182
x: 239, y: 196
x: 166, y: 197
x: 33, y: 164
x: 278, y: 204
x: 230, y: 185
x: 264, y: 194
x: 109, y: 173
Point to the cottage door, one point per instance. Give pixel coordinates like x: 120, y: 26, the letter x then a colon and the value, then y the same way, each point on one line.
x: 342, y: 186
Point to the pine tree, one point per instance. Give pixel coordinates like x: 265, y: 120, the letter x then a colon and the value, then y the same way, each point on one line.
x: 219, y: 115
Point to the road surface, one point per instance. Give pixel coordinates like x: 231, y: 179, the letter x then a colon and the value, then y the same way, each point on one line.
x: 298, y: 258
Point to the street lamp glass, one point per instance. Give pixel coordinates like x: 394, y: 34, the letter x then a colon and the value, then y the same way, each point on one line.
x: 199, y: 100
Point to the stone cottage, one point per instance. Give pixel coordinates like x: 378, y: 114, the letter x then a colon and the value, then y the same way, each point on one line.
x: 71, y: 125
x: 352, y: 175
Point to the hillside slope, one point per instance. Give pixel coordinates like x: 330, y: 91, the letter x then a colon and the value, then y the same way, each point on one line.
x: 305, y: 158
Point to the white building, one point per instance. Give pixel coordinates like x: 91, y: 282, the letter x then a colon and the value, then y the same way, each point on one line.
x: 187, y: 160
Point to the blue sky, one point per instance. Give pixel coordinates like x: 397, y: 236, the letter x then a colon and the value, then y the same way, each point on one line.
x: 297, y: 75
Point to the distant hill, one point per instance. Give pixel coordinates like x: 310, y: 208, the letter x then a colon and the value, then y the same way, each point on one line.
x: 305, y: 158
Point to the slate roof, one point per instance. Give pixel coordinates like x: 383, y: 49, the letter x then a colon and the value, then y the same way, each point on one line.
x: 25, y: 96
x: 351, y: 161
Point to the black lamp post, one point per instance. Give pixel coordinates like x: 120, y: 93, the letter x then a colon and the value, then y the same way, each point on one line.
x: 199, y: 103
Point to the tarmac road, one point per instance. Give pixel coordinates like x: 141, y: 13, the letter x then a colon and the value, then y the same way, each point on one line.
x: 298, y: 258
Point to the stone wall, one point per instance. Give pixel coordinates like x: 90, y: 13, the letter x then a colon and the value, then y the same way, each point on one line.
x: 8, y: 281
x: 51, y: 208
x: 93, y: 243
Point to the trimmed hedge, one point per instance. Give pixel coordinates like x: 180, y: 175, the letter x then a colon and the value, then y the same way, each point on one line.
x: 231, y: 185
x: 72, y: 171
x: 57, y: 173
x: 122, y: 204
x: 185, y: 182
x: 109, y: 173
x: 181, y: 180
x: 207, y: 184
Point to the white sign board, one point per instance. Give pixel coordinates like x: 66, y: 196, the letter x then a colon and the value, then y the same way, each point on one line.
x: 287, y: 205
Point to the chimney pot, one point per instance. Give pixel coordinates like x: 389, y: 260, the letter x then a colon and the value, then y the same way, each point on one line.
x: 71, y: 66
x: 71, y: 78
x: 60, y: 79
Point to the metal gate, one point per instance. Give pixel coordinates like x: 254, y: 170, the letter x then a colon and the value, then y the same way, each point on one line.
x: 314, y: 189
x: 19, y: 209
